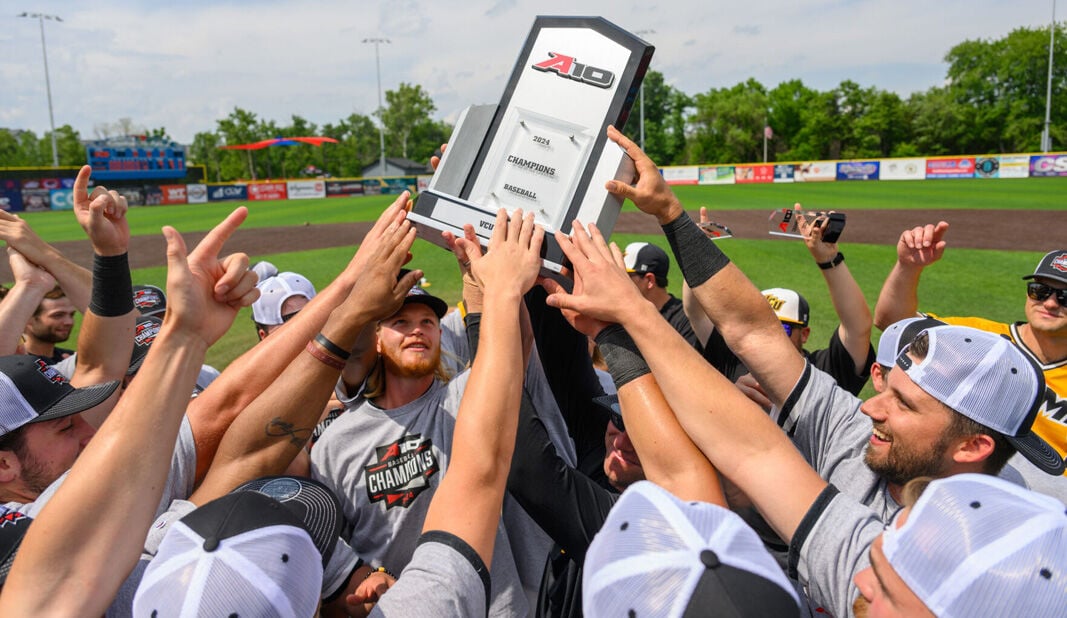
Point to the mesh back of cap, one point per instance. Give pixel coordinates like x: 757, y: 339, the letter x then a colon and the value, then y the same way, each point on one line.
x: 646, y: 557
x: 273, y: 571
x: 975, y: 545
x: 980, y: 375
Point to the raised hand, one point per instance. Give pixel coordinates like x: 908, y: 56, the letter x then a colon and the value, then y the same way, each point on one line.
x: 27, y: 273
x: 922, y: 245
x: 204, y: 291
x: 18, y: 235
x: 513, y: 259
x: 472, y: 290
x: 395, y: 213
x: 377, y: 292
x: 812, y: 227
x: 102, y: 214
x: 607, y: 291
x: 650, y: 192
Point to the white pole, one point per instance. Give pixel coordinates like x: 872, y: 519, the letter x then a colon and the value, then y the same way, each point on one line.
x: 47, y: 81
x: 381, y: 121
x: 642, y: 93
x: 1046, y: 136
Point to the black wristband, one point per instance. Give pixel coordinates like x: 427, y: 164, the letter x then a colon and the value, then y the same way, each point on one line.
x: 698, y: 256
x: 840, y: 257
x: 112, y: 293
x: 332, y: 347
x: 624, y: 360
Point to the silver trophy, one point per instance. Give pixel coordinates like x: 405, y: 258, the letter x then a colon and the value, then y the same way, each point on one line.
x: 544, y: 147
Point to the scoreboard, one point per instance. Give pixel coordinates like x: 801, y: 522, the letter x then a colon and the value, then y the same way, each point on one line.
x: 138, y: 161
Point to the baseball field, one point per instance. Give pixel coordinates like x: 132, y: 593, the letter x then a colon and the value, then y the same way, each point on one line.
x: 999, y: 230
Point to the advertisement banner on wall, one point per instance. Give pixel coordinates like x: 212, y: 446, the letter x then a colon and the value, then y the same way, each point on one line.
x: 950, y: 167
x: 11, y: 201
x: 717, y: 175
x: 259, y: 192
x: 61, y: 199
x: 343, y: 188
x: 815, y: 171
x: 172, y: 194
x: 306, y: 189
x: 422, y: 183
x: 902, y: 169
x: 134, y: 195
x: 1014, y: 166
x: 858, y: 170
x: 36, y: 200
x: 226, y: 193
x: 1048, y: 165
x: 748, y: 174
x: 372, y: 186
x: 196, y: 193
x: 153, y: 195
x: 784, y: 173
x: 398, y: 184
x: 685, y: 175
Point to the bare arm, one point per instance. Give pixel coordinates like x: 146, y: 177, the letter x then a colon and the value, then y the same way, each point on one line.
x: 736, y: 436
x: 734, y: 305
x: 76, y: 281
x: 468, y: 501
x: 120, y: 475
x: 211, y: 414
x: 266, y: 436
x: 917, y: 248
x: 106, y: 341
x: 31, y: 284
x: 846, y: 295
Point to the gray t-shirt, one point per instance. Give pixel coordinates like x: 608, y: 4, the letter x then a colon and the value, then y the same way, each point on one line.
x: 385, y: 465
x: 445, y: 577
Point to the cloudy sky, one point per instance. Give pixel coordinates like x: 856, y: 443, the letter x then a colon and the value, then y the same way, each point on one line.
x: 184, y: 65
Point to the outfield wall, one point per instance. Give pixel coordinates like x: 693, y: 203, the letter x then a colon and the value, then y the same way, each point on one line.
x: 55, y: 193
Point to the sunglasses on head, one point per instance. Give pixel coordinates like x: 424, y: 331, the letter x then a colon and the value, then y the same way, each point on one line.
x: 1040, y: 291
x: 289, y: 316
x: 616, y: 419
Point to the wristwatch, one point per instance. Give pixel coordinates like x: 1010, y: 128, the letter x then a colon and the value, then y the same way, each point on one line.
x: 840, y: 257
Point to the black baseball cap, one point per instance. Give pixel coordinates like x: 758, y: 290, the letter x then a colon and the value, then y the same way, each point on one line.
x: 643, y: 257
x: 145, y: 332
x: 149, y: 300
x: 1052, y: 266
x: 32, y: 391
x: 420, y: 296
x: 13, y: 526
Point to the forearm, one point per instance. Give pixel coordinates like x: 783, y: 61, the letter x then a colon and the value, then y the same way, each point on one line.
x: 702, y: 326
x: 15, y: 310
x: 119, y: 478
x: 852, y: 311
x: 733, y: 433
x: 266, y: 436
x: 899, y: 297
x: 76, y: 281
x: 245, y: 378
x: 668, y: 456
x: 106, y: 339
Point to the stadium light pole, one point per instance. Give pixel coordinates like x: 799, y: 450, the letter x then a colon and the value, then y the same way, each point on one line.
x: 642, y: 92
x: 1046, y: 137
x: 40, y: 17
x: 381, y: 121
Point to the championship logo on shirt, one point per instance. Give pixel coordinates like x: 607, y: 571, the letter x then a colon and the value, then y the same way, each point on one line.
x: 402, y: 472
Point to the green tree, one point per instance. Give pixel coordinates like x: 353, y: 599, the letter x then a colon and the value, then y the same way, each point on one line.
x: 1004, y: 82
x: 358, y: 146
x: 205, y: 151
x: 665, y: 109
x: 68, y: 145
x: 727, y: 124
x: 407, y: 110
x: 240, y: 127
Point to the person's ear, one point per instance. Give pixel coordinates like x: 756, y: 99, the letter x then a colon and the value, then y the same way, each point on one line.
x: 10, y: 467
x: 804, y: 334
x: 974, y: 449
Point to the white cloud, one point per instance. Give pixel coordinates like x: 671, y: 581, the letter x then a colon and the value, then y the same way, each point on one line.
x: 185, y: 65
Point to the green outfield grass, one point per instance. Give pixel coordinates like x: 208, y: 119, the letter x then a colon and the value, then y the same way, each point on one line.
x: 966, y: 282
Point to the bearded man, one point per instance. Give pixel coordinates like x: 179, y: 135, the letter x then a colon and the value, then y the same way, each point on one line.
x: 385, y: 456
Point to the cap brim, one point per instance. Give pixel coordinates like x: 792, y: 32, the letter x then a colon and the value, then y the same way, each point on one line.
x: 1038, y: 452
x: 439, y: 306
x: 1061, y: 279
x: 78, y: 400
